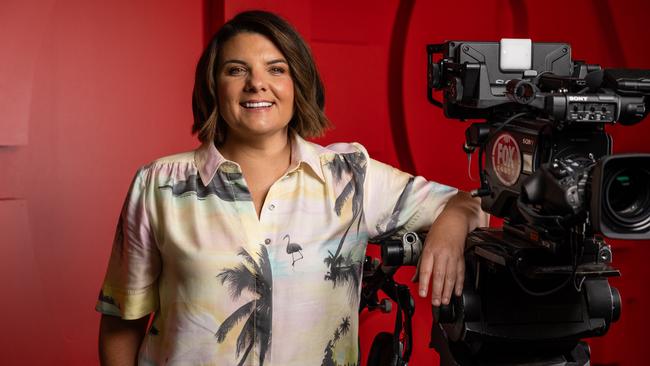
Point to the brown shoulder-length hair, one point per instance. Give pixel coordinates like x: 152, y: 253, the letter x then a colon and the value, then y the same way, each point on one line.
x: 309, y: 100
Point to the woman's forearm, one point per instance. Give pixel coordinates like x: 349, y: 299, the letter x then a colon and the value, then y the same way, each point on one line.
x: 441, y: 262
x: 467, y: 210
x: 119, y: 340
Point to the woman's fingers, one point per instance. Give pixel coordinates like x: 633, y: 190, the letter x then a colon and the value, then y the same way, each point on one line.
x: 439, y: 279
x: 442, y: 267
x: 424, y: 272
x: 460, y: 276
x: 450, y: 281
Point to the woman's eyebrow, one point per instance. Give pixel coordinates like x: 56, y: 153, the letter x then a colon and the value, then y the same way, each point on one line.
x: 234, y: 61
x: 277, y: 61
x: 271, y: 62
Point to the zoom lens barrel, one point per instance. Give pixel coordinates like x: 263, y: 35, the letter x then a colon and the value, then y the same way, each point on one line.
x: 627, y: 197
x: 621, y: 196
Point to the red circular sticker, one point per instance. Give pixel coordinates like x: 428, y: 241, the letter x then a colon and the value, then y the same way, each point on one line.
x: 506, y: 159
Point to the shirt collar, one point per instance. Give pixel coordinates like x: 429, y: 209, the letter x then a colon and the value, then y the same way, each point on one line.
x: 208, y: 158
x: 306, y: 152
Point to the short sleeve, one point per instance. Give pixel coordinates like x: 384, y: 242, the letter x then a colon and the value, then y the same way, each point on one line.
x: 396, y: 202
x: 130, y: 289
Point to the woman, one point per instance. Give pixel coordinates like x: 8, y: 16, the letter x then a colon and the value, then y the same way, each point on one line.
x: 249, y: 249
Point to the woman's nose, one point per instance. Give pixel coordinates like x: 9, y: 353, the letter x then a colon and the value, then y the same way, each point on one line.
x: 255, y: 82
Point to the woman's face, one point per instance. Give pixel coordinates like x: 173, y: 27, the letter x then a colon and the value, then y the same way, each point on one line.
x: 254, y: 87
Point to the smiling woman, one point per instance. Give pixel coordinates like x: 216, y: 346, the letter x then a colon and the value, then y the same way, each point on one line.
x: 282, y: 47
x: 259, y: 234
x: 255, y: 88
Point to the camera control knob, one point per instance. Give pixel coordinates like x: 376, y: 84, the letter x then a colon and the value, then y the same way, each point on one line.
x: 385, y: 305
x: 640, y: 108
x: 605, y: 254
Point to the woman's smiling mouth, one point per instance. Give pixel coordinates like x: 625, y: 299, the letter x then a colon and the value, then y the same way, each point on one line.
x: 256, y: 104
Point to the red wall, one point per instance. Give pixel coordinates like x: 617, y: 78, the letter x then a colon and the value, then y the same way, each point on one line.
x: 91, y: 90
x: 104, y: 87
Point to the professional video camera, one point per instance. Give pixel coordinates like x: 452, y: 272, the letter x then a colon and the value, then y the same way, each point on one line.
x: 536, y: 287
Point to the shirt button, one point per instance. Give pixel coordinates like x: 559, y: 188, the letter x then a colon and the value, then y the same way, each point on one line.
x: 267, y: 241
x: 271, y: 207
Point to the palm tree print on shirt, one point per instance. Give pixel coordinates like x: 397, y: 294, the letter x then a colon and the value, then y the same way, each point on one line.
x: 227, y: 186
x: 343, y: 268
x: 391, y: 228
x: 341, y: 330
x: 254, y: 277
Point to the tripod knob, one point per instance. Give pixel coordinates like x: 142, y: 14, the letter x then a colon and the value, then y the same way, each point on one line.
x: 385, y: 305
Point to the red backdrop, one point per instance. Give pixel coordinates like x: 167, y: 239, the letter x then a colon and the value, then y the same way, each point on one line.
x: 89, y: 91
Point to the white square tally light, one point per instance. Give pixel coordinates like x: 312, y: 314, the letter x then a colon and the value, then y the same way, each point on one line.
x: 515, y: 54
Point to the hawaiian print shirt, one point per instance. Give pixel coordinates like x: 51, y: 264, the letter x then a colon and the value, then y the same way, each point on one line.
x: 229, y: 288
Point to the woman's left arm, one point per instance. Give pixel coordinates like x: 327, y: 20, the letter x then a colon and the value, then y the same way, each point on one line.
x: 443, y: 253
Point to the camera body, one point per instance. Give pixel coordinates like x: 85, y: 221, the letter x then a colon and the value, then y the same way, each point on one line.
x: 544, y: 145
x: 534, y: 288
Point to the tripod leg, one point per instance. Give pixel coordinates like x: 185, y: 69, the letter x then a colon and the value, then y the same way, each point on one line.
x: 440, y: 343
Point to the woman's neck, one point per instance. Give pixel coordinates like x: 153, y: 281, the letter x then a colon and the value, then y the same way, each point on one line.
x: 262, y: 161
x: 273, y: 149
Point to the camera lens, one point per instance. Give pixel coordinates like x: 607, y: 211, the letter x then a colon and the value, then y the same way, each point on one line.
x: 627, y: 198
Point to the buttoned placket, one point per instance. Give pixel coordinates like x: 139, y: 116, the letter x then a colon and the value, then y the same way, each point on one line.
x: 265, y: 236
x: 269, y: 208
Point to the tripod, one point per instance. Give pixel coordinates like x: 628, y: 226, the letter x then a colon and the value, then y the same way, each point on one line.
x: 522, y: 306
x: 388, y: 349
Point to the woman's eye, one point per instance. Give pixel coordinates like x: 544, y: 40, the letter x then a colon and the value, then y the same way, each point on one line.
x: 277, y: 70
x: 236, y: 71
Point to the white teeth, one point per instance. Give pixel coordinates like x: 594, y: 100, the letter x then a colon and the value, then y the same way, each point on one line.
x: 257, y: 104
